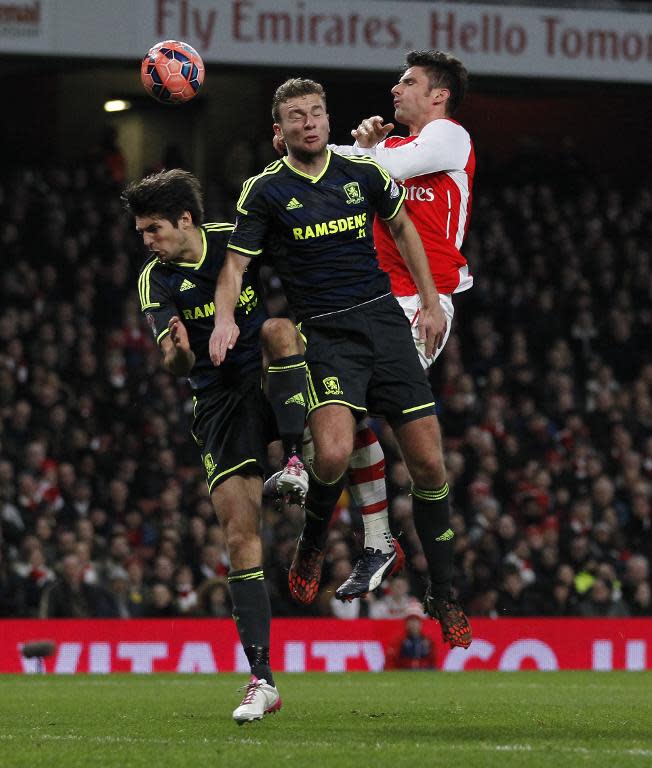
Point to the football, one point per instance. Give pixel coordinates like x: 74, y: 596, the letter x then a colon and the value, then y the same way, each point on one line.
x: 172, y: 72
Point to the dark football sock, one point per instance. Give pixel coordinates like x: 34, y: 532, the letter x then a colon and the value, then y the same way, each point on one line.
x: 432, y: 520
x: 320, y: 504
x: 286, y: 392
x: 253, y: 615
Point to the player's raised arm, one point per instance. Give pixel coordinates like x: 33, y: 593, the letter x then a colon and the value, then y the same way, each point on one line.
x: 229, y: 284
x: 432, y: 321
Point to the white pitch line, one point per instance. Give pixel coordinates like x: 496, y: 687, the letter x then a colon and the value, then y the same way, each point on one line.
x: 632, y: 752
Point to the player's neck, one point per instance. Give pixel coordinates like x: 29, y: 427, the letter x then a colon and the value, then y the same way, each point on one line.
x: 417, y: 126
x: 194, y: 249
x: 310, y: 165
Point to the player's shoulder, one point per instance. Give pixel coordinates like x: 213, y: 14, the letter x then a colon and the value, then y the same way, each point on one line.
x: 214, y: 229
x: 254, y: 185
x: 364, y: 165
x: 148, y: 265
x: 150, y: 283
x: 445, y: 127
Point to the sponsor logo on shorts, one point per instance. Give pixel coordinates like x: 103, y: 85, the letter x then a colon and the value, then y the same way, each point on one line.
x: 295, y: 400
x: 209, y: 464
x: 332, y: 386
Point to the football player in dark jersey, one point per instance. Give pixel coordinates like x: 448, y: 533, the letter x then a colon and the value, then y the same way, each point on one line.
x: 311, y: 212
x: 233, y: 419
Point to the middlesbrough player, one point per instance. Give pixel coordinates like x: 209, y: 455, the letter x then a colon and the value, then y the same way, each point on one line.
x: 436, y: 164
x: 233, y: 419
x: 354, y: 361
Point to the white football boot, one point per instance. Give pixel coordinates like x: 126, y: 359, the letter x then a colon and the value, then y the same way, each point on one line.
x: 260, y: 699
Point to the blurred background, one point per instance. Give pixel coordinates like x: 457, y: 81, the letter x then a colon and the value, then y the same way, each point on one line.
x: 545, y: 386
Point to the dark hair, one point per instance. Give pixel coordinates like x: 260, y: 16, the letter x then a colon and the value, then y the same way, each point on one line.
x: 290, y: 89
x: 444, y: 71
x: 167, y: 195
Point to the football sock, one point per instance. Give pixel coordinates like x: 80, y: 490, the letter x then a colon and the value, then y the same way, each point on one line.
x: 253, y: 615
x: 286, y: 392
x: 432, y: 520
x: 320, y: 504
x: 366, y: 476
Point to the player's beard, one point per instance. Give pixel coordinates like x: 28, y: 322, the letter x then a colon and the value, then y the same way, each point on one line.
x: 307, y: 156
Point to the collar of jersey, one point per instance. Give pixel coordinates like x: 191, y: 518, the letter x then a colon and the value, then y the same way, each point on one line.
x: 203, y: 255
x: 313, y: 179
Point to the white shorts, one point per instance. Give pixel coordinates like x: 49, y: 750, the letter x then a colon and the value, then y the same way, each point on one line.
x: 411, y: 305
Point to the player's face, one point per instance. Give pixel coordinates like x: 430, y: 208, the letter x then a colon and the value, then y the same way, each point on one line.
x: 413, y: 97
x: 162, y: 238
x: 303, y: 125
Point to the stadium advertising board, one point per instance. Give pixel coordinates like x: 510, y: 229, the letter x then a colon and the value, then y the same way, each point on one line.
x: 331, y: 645
x: 491, y: 39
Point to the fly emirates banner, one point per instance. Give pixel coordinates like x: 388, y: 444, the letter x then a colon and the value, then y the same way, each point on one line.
x: 372, y: 35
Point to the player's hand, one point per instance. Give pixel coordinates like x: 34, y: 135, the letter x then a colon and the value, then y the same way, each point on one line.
x: 432, y: 325
x: 371, y: 131
x: 278, y: 142
x: 223, y: 338
x: 178, y: 334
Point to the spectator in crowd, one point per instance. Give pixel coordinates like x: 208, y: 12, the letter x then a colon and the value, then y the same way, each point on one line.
x: 69, y: 597
x: 414, y: 650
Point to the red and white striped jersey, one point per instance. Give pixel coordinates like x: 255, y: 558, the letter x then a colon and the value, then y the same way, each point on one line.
x: 437, y: 169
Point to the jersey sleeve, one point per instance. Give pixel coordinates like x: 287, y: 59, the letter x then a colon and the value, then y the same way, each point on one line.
x: 442, y: 145
x: 252, y: 219
x: 386, y: 195
x: 348, y: 150
x: 155, y: 301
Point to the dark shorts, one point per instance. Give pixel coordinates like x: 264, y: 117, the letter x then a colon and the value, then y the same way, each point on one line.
x: 232, y: 427
x: 365, y: 359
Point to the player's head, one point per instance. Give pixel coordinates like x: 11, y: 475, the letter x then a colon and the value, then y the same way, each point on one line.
x: 167, y: 206
x: 433, y: 82
x: 300, y: 117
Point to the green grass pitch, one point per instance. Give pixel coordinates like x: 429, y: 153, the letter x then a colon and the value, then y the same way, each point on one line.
x: 384, y: 720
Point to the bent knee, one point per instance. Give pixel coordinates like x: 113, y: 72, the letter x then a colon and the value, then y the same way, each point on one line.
x: 280, y: 337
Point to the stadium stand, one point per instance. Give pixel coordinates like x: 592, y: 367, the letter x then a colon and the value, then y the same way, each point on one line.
x: 545, y: 400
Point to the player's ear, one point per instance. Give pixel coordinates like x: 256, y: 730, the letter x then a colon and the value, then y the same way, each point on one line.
x: 277, y: 130
x: 185, y: 222
x: 441, y: 96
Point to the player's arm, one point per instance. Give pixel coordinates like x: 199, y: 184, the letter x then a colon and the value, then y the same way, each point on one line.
x: 229, y: 284
x: 178, y: 358
x: 160, y: 310
x: 441, y: 146
x: 432, y: 321
x: 367, y: 135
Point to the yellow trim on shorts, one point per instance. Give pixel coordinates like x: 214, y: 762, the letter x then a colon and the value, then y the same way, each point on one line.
x: 417, y: 408
x: 314, y: 407
x: 228, y: 472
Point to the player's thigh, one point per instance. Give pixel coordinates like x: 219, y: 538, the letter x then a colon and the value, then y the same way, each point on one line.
x: 411, y: 306
x: 333, y: 431
x: 232, y: 427
x: 398, y: 388
x: 339, y: 362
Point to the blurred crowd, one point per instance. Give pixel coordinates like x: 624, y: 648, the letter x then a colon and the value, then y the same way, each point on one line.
x: 544, y: 394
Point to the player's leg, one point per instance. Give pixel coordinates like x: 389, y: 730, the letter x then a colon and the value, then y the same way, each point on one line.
x: 286, y: 391
x: 332, y: 428
x: 420, y: 442
x: 382, y: 555
x: 237, y: 504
